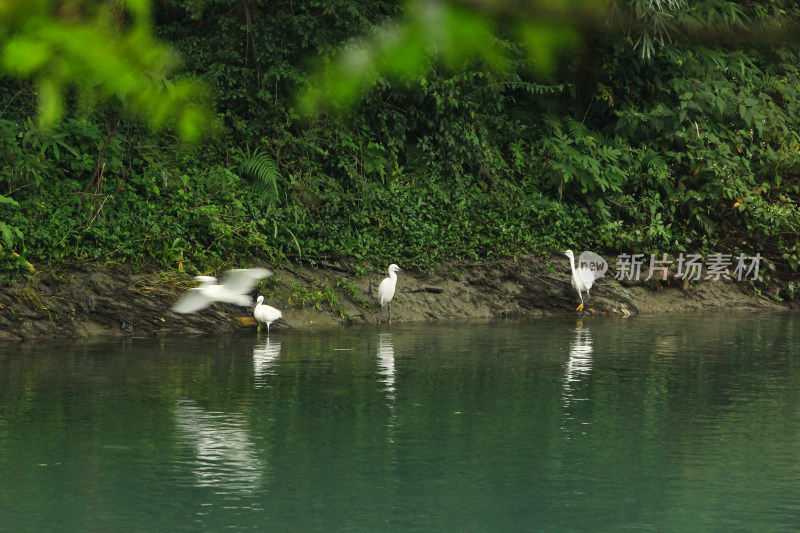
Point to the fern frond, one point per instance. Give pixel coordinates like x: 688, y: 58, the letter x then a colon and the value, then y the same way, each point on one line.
x: 577, y: 130
x: 658, y: 166
x: 264, y: 174
x: 518, y: 150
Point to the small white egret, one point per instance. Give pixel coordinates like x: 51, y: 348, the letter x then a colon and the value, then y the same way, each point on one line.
x: 235, y: 288
x: 264, y: 313
x: 386, y: 291
x: 581, y: 279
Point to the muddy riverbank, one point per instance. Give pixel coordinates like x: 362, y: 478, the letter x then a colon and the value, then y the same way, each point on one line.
x: 89, y: 300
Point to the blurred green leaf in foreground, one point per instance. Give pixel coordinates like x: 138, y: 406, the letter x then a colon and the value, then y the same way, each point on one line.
x: 462, y: 33
x: 104, y: 51
x: 454, y: 33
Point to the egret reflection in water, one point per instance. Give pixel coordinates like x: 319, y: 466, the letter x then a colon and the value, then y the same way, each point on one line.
x: 577, y: 369
x: 579, y: 364
x: 264, y: 357
x: 386, y: 363
x: 225, y: 457
x: 386, y: 371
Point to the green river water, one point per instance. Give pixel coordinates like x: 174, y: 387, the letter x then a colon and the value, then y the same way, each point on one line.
x: 661, y: 423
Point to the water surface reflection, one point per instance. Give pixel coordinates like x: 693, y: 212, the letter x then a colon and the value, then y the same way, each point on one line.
x: 386, y: 364
x: 224, y: 454
x: 265, y: 356
x: 657, y: 423
x: 575, y: 383
x: 579, y: 364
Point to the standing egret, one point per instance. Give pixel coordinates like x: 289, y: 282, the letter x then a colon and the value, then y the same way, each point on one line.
x: 582, y: 279
x: 264, y: 313
x: 235, y: 289
x: 386, y: 290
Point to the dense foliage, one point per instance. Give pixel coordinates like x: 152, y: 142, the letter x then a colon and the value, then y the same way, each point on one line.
x: 692, y: 149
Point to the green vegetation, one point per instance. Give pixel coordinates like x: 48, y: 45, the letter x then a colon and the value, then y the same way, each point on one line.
x: 589, y: 142
x: 102, y: 51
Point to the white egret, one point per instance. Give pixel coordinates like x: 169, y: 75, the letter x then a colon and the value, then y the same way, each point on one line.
x: 386, y: 290
x: 235, y: 288
x: 264, y: 313
x: 581, y: 279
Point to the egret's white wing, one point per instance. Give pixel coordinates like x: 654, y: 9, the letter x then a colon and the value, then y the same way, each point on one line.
x: 591, y: 267
x: 587, y: 276
x: 266, y: 313
x: 386, y: 291
x: 242, y: 280
x: 191, y: 301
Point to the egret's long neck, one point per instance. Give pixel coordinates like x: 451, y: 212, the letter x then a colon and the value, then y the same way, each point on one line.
x: 393, y: 275
x: 572, y: 263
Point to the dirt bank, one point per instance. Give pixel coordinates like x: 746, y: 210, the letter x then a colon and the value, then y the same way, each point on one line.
x: 90, y: 300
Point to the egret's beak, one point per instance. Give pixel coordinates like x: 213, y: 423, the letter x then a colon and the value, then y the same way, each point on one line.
x: 563, y: 253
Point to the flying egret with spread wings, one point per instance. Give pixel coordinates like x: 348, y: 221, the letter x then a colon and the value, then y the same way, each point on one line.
x: 234, y: 288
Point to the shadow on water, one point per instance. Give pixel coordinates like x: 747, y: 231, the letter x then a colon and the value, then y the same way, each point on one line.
x: 657, y: 423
